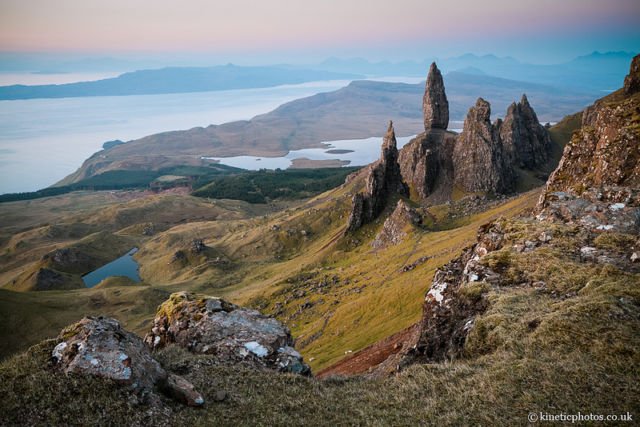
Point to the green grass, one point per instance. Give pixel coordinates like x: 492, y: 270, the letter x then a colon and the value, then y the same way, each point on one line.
x: 264, y: 185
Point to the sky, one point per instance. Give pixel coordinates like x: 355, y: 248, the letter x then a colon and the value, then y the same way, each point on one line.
x: 541, y: 31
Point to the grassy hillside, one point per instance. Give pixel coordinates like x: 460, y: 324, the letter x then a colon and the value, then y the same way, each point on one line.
x: 540, y: 354
x: 566, y: 345
x: 249, y: 257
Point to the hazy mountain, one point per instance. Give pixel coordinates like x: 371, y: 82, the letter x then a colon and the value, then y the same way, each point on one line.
x: 597, y: 71
x: 176, y: 80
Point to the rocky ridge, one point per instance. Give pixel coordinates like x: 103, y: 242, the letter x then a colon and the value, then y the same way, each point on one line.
x: 382, y: 181
x: 602, y: 160
x: 482, y: 159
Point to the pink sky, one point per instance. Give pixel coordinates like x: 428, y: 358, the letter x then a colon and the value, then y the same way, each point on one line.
x: 255, y: 25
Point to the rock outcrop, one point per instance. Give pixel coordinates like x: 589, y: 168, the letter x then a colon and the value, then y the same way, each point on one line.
x: 47, y: 280
x: 525, y: 140
x: 99, y: 346
x: 209, y: 325
x: 383, y: 179
x: 480, y: 161
x: 632, y: 80
x: 395, y: 227
x: 425, y: 162
x: 602, y: 160
x: 426, y: 165
x: 435, y: 106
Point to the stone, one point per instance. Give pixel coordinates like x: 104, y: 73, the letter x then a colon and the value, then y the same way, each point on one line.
x: 435, y: 106
x: 197, y: 246
x: 183, y: 391
x: 545, y: 236
x: 480, y: 162
x: 635, y: 257
x: 446, y: 317
x: 208, y: 325
x: 99, y: 346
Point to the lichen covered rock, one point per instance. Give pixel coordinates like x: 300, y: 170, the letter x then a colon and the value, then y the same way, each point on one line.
x: 209, y: 325
x: 99, y: 346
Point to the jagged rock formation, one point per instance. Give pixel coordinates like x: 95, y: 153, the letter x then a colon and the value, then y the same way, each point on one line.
x: 482, y: 158
x: 100, y: 347
x: 435, y: 106
x: 394, y: 228
x: 480, y: 161
x: 525, y: 140
x: 208, y: 325
x: 604, y: 155
x: 589, y: 215
x: 383, y: 179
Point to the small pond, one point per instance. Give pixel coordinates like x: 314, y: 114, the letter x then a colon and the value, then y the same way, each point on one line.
x: 123, y: 266
x: 358, y: 152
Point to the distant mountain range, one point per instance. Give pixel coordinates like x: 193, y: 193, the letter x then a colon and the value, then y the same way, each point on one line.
x: 177, y: 80
x: 597, y: 71
x: 593, y: 73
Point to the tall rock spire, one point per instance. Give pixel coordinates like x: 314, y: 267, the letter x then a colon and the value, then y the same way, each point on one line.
x: 434, y: 104
x: 383, y: 180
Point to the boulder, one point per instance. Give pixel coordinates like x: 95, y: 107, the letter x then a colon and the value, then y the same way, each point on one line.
x: 208, y: 325
x: 99, y: 346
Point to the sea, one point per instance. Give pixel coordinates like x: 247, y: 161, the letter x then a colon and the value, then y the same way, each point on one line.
x: 44, y: 140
